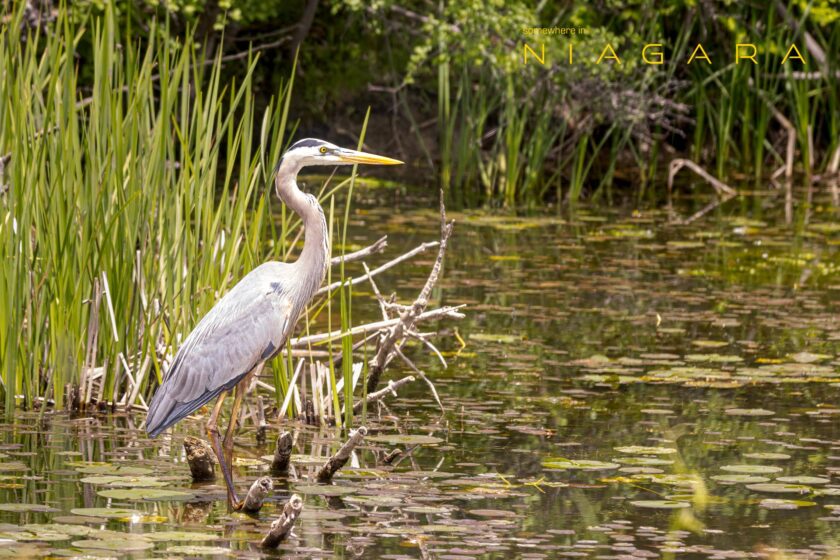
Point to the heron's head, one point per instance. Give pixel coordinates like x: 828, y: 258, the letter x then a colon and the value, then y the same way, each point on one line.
x: 311, y: 151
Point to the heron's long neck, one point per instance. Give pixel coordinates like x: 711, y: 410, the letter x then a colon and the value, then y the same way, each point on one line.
x: 312, y: 262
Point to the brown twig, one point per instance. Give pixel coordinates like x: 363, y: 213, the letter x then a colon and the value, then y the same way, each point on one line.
x: 282, y: 526
x: 723, y: 190
x: 392, y: 455
x: 341, y: 456
x: 421, y: 375
x: 391, y: 389
x: 376, y: 247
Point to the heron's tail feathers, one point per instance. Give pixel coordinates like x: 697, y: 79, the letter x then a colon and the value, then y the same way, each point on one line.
x: 164, y: 411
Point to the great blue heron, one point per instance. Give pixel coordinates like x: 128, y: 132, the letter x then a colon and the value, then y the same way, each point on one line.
x: 251, y: 323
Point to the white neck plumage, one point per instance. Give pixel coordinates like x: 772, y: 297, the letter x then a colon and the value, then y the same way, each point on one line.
x: 313, y: 259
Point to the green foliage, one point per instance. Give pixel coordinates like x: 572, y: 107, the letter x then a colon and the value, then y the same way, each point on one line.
x: 126, y: 207
x: 513, y: 133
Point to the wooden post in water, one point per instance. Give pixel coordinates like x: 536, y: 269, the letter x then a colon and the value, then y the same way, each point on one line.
x: 200, y: 459
x: 257, y: 494
x: 282, y: 454
x: 282, y: 526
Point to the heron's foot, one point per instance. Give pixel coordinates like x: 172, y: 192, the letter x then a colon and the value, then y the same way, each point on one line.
x: 234, y: 504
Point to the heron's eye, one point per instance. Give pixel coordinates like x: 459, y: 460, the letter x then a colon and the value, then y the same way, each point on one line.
x: 323, y: 149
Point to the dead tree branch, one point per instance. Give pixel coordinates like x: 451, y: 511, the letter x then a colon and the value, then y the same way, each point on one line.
x: 390, y: 264
x: 341, y: 456
x: 391, y: 389
x: 724, y: 191
x: 391, y: 339
x: 448, y: 312
x: 377, y: 247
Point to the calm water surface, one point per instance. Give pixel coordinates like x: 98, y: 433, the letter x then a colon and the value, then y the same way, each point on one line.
x: 628, y: 389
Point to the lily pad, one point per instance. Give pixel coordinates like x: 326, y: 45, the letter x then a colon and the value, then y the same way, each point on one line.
x: 247, y: 462
x: 749, y: 412
x: 108, y: 468
x: 198, y: 550
x: 145, y: 494
x: 767, y: 456
x: 560, y: 463
x: 378, y: 500
x: 808, y: 357
x: 122, y: 545
x: 405, y: 439
x: 751, y: 469
x: 740, y: 478
x: 124, y: 481
x: 64, y: 528
x: 495, y: 337
x: 811, y: 480
x: 709, y: 343
x: 324, y: 490
x: 25, y: 536
x: 660, y: 504
x: 643, y: 461
x: 182, y: 536
x: 23, y: 508
x: 776, y: 503
x: 775, y: 488
x: 713, y: 358
x: 106, y: 512
x: 643, y: 450
x: 680, y: 479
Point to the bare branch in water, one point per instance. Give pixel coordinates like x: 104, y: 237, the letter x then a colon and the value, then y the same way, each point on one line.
x: 449, y: 312
x: 341, y: 456
x: 723, y: 190
x: 394, y: 337
x: 376, y: 247
x: 391, y: 389
x: 390, y: 264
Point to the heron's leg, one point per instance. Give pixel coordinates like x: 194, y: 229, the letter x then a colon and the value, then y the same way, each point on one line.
x: 227, y: 445
x: 216, y: 444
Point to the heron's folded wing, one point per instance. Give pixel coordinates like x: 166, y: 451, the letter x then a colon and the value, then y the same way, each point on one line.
x: 245, y: 327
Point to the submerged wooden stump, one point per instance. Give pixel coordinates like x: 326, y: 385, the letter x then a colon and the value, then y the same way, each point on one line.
x: 282, y: 526
x: 200, y: 458
x: 392, y: 455
x: 282, y: 454
x: 341, y: 456
x: 257, y: 494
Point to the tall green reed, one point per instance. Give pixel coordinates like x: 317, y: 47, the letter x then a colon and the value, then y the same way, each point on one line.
x: 132, y: 202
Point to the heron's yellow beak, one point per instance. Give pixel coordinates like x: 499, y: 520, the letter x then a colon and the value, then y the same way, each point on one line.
x: 352, y: 156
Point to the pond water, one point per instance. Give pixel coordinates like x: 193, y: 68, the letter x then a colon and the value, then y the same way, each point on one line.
x: 628, y: 389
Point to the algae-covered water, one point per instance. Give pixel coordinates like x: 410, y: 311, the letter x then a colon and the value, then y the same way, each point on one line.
x: 626, y: 389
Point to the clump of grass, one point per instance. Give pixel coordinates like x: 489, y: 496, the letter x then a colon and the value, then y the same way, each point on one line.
x: 129, y: 205
x: 515, y: 134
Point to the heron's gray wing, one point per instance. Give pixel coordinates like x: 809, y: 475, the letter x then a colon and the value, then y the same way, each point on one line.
x: 247, y: 326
